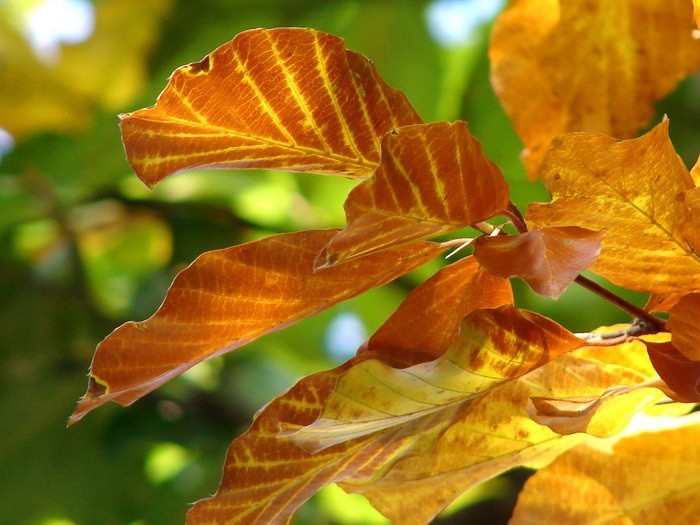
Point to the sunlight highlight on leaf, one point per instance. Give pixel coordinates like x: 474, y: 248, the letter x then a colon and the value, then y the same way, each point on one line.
x: 290, y: 99
x: 651, y: 478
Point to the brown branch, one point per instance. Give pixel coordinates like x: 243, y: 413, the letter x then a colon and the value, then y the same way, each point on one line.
x: 653, y: 323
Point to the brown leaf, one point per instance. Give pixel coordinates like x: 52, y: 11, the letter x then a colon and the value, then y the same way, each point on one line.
x: 547, y: 259
x: 432, y: 179
x: 291, y: 99
x: 682, y: 375
x: 629, y: 189
x: 646, y: 479
x: 684, y: 324
x: 427, y: 321
x: 595, y: 66
x: 227, y: 298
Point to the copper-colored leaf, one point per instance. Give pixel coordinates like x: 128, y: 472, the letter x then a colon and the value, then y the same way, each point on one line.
x: 684, y: 324
x: 428, y: 319
x: 291, y: 99
x: 682, y: 375
x: 630, y: 189
x: 432, y: 179
x: 595, y: 66
x: 547, y: 259
x: 227, y: 298
x: 646, y: 479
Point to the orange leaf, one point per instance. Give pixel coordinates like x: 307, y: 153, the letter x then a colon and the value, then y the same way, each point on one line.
x: 267, y: 476
x: 684, y: 324
x: 547, y: 259
x: 291, y: 99
x: 227, y: 298
x: 428, y: 319
x: 595, y: 66
x: 432, y: 179
x: 649, y: 479
x: 682, y: 375
x: 630, y: 189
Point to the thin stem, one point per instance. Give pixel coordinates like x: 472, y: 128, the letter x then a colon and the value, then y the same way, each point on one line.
x: 655, y: 324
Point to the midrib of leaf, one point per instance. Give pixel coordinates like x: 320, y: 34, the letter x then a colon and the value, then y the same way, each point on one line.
x: 222, y: 131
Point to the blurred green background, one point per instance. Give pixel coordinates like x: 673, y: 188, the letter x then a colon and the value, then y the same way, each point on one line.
x: 84, y: 246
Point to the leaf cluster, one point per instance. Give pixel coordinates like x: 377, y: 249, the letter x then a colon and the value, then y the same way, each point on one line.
x: 459, y: 384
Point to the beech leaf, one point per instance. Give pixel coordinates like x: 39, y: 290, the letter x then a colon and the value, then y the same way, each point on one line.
x: 650, y: 479
x: 681, y: 374
x: 427, y: 321
x: 595, y: 66
x: 225, y: 299
x: 629, y: 189
x: 432, y: 179
x: 493, y: 346
x: 410, y: 472
x: 684, y: 324
x: 291, y: 99
x: 547, y: 259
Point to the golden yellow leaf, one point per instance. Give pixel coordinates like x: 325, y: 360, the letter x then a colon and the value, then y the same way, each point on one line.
x: 647, y: 479
x: 631, y: 190
x: 595, y: 66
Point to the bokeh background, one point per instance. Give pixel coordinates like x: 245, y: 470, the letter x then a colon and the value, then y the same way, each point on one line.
x: 84, y: 246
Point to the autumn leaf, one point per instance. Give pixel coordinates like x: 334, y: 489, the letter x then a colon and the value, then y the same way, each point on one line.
x: 410, y: 472
x: 681, y: 374
x: 594, y: 66
x: 650, y: 479
x: 432, y: 179
x: 493, y: 346
x: 629, y: 189
x: 227, y: 298
x: 547, y: 259
x: 259, y: 487
x: 441, y: 303
x: 684, y: 324
x: 291, y: 99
